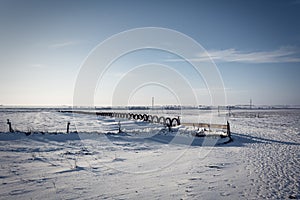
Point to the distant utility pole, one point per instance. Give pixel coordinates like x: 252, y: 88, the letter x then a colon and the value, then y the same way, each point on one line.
x: 152, y: 103
x: 250, y: 104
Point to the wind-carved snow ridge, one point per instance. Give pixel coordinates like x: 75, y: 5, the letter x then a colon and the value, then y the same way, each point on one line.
x: 146, y: 161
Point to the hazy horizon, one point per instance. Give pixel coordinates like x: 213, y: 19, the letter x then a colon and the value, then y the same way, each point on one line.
x: 149, y: 106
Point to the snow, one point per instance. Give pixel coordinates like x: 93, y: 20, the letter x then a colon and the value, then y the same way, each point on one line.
x: 146, y: 161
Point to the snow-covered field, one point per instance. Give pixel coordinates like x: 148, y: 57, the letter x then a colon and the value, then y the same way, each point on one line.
x: 146, y: 161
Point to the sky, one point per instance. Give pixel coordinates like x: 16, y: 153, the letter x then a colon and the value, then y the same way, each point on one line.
x: 254, y: 44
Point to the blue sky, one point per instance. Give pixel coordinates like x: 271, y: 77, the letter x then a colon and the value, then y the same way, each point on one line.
x: 255, y: 45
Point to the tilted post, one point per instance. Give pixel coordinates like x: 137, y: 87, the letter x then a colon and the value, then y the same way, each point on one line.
x: 68, y: 126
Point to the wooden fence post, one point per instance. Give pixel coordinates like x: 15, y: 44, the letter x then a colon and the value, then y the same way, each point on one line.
x: 228, y: 130
x: 9, y: 126
x: 119, y: 124
x: 68, y: 125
